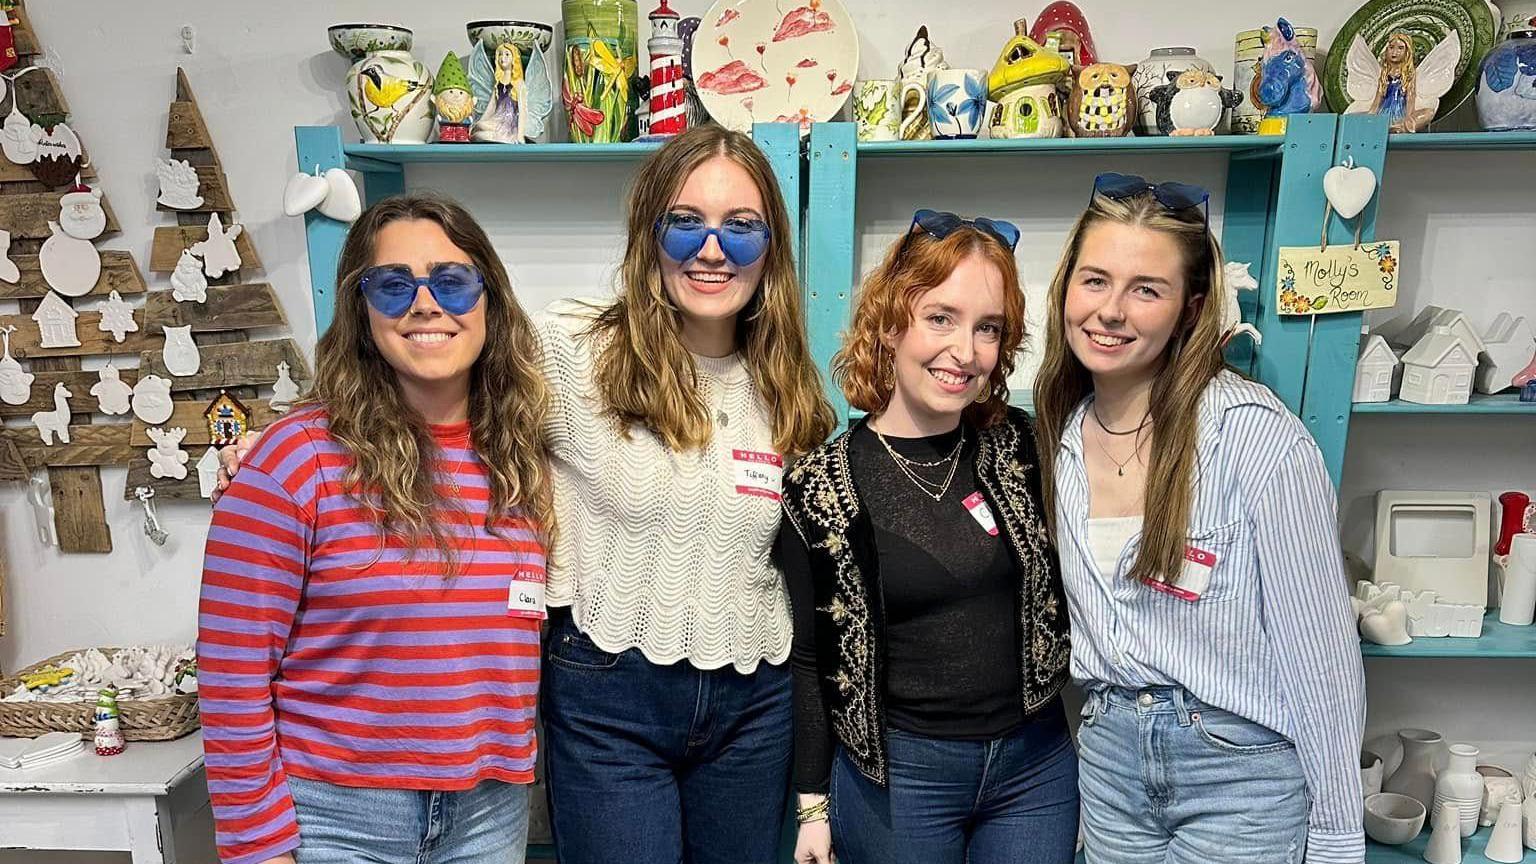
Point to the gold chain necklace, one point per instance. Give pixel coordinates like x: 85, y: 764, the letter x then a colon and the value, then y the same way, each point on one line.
x: 1119, y: 465
x: 927, y: 487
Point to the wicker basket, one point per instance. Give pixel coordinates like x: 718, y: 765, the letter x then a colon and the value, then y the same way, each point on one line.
x: 162, y: 718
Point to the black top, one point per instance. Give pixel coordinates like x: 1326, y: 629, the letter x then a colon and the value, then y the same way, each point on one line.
x: 950, y: 597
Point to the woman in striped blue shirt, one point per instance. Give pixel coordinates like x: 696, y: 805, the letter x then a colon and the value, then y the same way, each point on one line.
x: 1211, y: 624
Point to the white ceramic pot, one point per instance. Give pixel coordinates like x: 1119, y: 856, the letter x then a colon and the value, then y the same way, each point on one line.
x: 1370, y: 773
x: 1392, y: 819
x: 391, y: 97
x: 1461, y: 785
x: 1415, y: 777
x: 1153, y: 72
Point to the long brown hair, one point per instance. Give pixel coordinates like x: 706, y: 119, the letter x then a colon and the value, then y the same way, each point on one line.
x: 645, y: 374
x: 390, y: 443
x: 1192, y: 359
x: 863, y: 367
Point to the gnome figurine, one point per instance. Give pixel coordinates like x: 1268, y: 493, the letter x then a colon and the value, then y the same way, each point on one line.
x: 454, y: 102
x: 109, y: 738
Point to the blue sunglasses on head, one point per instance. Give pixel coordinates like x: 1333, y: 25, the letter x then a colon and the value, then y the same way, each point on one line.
x: 391, y: 289
x: 1173, y: 196
x: 941, y: 224
x: 682, y: 237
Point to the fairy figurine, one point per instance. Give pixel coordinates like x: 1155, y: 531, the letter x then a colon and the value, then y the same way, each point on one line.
x: 1393, y: 85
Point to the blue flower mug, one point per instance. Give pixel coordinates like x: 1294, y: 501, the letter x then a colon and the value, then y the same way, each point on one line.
x: 957, y: 102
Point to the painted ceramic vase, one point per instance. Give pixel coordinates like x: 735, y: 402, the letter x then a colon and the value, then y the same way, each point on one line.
x: 957, y: 102
x: 1027, y: 112
x: 1153, y: 72
x: 1506, y: 91
x: 599, y: 63
x: 1249, y: 46
x: 1416, y: 776
x: 876, y: 109
x: 390, y: 92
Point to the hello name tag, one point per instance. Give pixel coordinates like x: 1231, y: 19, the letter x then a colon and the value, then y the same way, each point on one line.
x: 758, y: 473
x: 1193, y: 579
x: 976, y: 504
x: 525, y: 596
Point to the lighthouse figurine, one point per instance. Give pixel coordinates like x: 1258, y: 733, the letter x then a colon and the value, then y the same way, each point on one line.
x: 109, y: 738
x: 669, y: 97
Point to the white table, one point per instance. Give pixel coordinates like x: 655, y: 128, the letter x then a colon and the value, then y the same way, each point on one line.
x: 132, y: 802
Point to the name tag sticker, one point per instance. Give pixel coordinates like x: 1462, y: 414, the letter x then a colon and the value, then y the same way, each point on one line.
x: 525, y: 596
x: 1194, y: 578
x: 757, y: 473
x: 977, y: 505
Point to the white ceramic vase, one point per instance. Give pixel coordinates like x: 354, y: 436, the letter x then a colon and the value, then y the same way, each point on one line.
x: 1415, y: 777
x: 1461, y: 785
x: 1528, y: 810
x: 1519, y: 601
x: 1504, y: 844
x: 1445, y: 840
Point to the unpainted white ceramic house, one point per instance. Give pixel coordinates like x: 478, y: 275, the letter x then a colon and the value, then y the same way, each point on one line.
x: 1438, y: 369
x: 56, y: 322
x: 1375, y: 370
x: 1508, y: 346
x: 1431, y: 317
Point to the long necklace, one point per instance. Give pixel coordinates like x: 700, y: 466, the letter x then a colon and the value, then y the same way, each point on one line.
x: 933, y: 490
x: 1119, y: 465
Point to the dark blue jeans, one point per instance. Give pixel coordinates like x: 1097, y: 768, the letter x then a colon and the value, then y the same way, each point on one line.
x: 1011, y: 800
x: 662, y: 764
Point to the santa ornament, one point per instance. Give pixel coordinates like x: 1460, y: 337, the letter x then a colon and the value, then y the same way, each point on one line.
x: 70, y: 263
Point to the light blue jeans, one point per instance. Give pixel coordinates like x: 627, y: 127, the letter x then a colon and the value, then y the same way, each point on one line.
x: 351, y: 825
x: 1166, y: 779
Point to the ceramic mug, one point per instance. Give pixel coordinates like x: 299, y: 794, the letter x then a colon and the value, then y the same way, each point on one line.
x: 913, y: 100
x: 957, y: 102
x: 877, y: 110
x: 1027, y: 112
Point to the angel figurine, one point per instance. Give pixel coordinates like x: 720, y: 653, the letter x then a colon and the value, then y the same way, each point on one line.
x: 1408, y: 94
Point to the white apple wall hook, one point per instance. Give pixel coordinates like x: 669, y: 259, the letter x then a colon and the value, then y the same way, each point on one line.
x: 1348, y: 188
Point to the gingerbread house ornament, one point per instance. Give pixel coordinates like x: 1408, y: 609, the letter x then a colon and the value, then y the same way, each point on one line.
x: 228, y: 419
x: 56, y: 322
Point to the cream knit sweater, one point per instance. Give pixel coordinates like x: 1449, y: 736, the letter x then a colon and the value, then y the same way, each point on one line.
x: 656, y: 549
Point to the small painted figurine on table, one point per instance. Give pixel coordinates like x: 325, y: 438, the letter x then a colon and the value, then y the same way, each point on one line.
x: 109, y: 737
x: 1286, y: 82
x: 1394, y: 86
x: 453, y: 100
x: 1192, y: 102
x: 1024, y: 85
x: 1103, y: 101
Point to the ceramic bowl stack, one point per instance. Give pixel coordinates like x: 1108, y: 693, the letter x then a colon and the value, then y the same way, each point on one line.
x: 41, y: 752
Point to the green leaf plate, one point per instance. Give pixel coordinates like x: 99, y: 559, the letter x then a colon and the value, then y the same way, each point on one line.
x: 1427, y: 22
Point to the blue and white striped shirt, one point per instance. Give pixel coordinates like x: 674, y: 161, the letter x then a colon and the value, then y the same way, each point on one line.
x: 1273, y: 637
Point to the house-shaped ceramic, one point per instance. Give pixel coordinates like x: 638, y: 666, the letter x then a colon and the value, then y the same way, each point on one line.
x: 1508, y: 346
x: 228, y: 419
x: 56, y: 322
x: 1438, y: 369
x: 1438, y: 316
x: 1375, y: 371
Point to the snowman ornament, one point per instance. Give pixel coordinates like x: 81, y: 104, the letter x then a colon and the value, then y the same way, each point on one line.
x: 70, y: 262
x: 15, y: 382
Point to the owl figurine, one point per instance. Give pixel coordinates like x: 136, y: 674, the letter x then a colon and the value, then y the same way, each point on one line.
x: 1103, y: 101
x: 1192, y: 103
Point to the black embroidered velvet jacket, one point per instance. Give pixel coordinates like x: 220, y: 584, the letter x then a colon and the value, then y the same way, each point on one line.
x: 823, y: 507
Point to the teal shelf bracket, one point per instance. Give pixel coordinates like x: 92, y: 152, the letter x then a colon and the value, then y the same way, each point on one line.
x: 829, y: 228
x: 1245, y: 234
x: 1298, y: 205
x: 319, y: 147
x: 1327, y: 398
x: 780, y: 142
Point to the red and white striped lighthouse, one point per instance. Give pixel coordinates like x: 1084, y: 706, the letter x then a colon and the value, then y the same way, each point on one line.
x: 669, y: 97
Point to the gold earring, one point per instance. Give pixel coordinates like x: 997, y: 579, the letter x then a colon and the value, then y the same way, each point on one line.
x: 985, y: 395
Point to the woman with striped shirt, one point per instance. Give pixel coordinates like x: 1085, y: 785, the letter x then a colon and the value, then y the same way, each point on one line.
x: 368, y: 632
x: 1211, y: 625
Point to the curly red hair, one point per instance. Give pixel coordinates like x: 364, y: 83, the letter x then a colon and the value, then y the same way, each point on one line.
x: 912, y: 267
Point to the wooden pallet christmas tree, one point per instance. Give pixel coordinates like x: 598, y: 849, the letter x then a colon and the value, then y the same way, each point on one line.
x: 230, y: 363
x: 30, y: 199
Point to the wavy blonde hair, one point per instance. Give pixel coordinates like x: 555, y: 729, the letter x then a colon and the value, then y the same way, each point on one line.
x: 645, y: 373
x: 916, y: 263
x: 391, y: 446
x: 1193, y: 357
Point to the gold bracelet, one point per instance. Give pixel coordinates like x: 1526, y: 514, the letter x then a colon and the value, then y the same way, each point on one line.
x: 815, y: 813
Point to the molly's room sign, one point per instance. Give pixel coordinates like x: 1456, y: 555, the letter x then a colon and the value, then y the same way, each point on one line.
x: 1313, y: 281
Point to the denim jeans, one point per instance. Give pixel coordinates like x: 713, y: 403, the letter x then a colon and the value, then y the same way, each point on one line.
x: 1011, y: 800
x: 353, y: 825
x: 1170, y: 780
x: 662, y: 764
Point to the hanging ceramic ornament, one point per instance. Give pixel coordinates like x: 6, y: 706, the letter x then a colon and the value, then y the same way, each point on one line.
x: 218, y: 251
x: 8, y: 269
x: 228, y: 419
x: 70, y: 266
x: 208, y: 472
x: 178, y: 184
x: 188, y: 282
x: 113, y: 395
x: 284, y: 391
x: 56, y: 322
x: 15, y: 382
x: 342, y: 202
x: 59, y: 156
x: 55, y: 422
x: 19, y: 136
x: 166, y: 458
x: 80, y: 212
x: 304, y: 192
x: 181, y: 354
x: 117, y: 317
x: 152, y: 399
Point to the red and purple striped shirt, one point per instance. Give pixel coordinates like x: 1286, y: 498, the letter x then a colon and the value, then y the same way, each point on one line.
x: 326, y: 651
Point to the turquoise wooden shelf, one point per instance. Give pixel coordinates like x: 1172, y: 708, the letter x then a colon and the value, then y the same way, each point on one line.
x: 1462, y: 141
x: 1502, y: 403
x: 1498, y: 642
x: 1413, y: 851
x: 410, y: 154
x: 1259, y: 144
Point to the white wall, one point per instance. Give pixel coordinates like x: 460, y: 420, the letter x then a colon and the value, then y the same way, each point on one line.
x: 260, y: 69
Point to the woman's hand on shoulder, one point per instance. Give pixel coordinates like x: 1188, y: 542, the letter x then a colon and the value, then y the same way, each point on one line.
x: 229, y: 465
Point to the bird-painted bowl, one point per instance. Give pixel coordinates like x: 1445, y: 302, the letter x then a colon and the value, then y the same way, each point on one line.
x: 356, y: 41
x: 491, y: 33
x: 1392, y: 819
